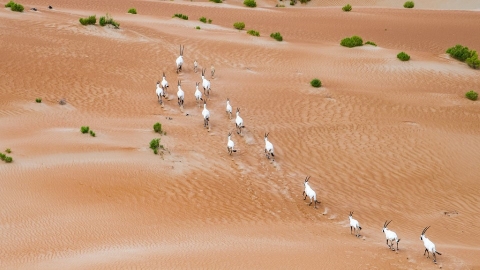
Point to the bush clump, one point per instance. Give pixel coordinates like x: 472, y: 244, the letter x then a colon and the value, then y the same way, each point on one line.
x: 239, y: 25
x: 38, y: 100
x: 132, y: 11
x: 351, y: 42
x: 92, y: 133
x: 89, y: 20
x: 347, y: 8
x: 371, y: 43
x: 6, y: 158
x: 2, y: 156
x: 316, y: 83
x: 104, y: 20
x: 8, y: 150
x: 181, y: 16
x: 250, y: 3
x: 197, y: 27
x: 155, y: 145
x: 472, y: 95
x: 203, y: 19
x: 253, y: 33
x: 409, y: 4
x: 464, y: 54
x: 276, y: 36
x: 157, y: 127
x: 403, y: 56
x: 216, y: 1
x: 84, y: 129
x: 14, y: 6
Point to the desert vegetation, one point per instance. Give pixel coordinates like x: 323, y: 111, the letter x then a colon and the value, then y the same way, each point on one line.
x: 197, y: 27
x: 155, y: 145
x: 472, y: 95
x: 351, y: 42
x: 84, y: 129
x: 347, y: 7
x: 89, y: 20
x: 180, y: 15
x: 205, y: 20
x: 216, y: 1
x: 14, y: 6
x: 403, y: 56
x: 464, y: 54
x: 92, y: 133
x: 104, y: 20
x: 38, y: 100
x: 277, y: 36
x: 409, y: 4
x: 8, y: 151
x: 132, y: 11
x: 250, y: 3
x: 316, y: 83
x: 253, y: 33
x: 371, y: 43
x: 6, y: 158
x: 239, y: 25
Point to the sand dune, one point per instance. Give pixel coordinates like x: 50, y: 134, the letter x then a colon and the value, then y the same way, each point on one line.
x: 383, y: 138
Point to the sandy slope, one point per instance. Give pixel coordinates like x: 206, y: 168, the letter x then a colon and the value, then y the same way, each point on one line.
x: 383, y: 138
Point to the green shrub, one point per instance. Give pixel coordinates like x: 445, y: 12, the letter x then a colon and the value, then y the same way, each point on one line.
x: 104, y: 20
x: 472, y: 95
x: 276, y: 36
x: 371, y: 43
x: 409, y: 4
x: 14, y: 6
x: 157, y: 127
x: 38, y: 100
x: 132, y: 11
x: 316, y: 83
x: 92, y: 133
x: 216, y: 1
x: 250, y: 3
x: 8, y: 159
x: 203, y: 19
x: 89, y: 20
x: 209, y: 20
x: 198, y: 27
x: 473, y: 61
x: 253, y: 33
x: 84, y: 129
x: 304, y: 1
x: 155, y: 151
x: 239, y: 25
x: 155, y: 145
x: 8, y: 151
x: 347, y: 8
x: 2, y: 156
x: 403, y: 56
x: 277, y: 5
x: 181, y: 16
x: 351, y: 42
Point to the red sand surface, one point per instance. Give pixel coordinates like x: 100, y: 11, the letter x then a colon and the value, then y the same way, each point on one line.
x: 383, y: 138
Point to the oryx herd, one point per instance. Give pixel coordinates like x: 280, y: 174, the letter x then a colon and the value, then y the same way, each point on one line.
x: 161, y: 91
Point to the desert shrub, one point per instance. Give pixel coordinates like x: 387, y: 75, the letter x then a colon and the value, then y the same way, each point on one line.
x: 277, y: 5
x: 155, y: 145
x: 304, y: 1
x: 473, y: 61
x: 371, y: 43
x: 459, y: 52
x: 316, y: 83
x: 409, y: 4
x: 351, y: 42
x: 403, y: 56
x: 253, y: 33
x: 132, y: 11
x: 8, y: 150
x: 292, y: 2
x: 216, y: 1
x: 84, y: 129
x: 209, y: 20
x: 203, y: 19
x: 197, y: 27
x: 472, y: 95
x: 2, y: 156
x: 92, y: 133
x: 38, y: 100
x: 181, y: 16
x: 8, y: 159
x: 104, y: 20
x: 347, y: 7
x: 276, y: 36
x: 89, y: 20
x: 157, y: 127
x: 14, y: 6
x: 250, y: 3
x: 239, y: 25
x: 155, y: 151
